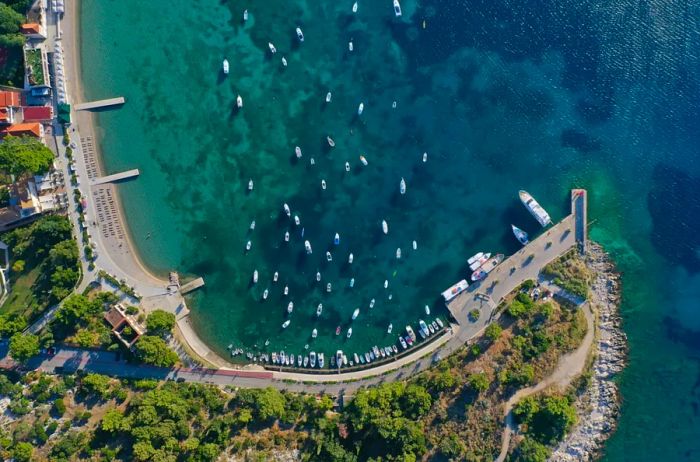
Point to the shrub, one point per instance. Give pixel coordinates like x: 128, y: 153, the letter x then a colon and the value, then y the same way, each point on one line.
x: 493, y: 331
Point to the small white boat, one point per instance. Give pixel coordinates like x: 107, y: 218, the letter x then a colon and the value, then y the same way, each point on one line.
x: 275, y: 277
x: 286, y: 236
x: 323, y: 184
x: 251, y: 185
x: 286, y: 323
x: 347, y: 166
x: 297, y: 151
x: 296, y: 220
x: 320, y: 360
x: 265, y: 294
x: 225, y: 66
x: 291, y: 360
x: 386, y: 283
x: 329, y: 257
x: 328, y: 97
x: 393, y: 105
x: 402, y: 342
x: 284, y: 61
x: 331, y: 143
x: 272, y: 47
x: 252, y: 225
x: 520, y: 235
x: 480, y: 261
x: 287, y: 211
x: 318, y: 276
x: 286, y: 290
x: 475, y: 257
x: 336, y: 239
x: 255, y: 277
x: 245, y: 15
x: 427, y: 310
x: 385, y: 227
x: 356, y: 358
x: 425, y: 157
x: 424, y: 327
x: 349, y: 333
x: 248, y: 245
x: 371, y: 303
x: 307, y: 246
x: 312, y: 361
x: 290, y: 307
x: 402, y: 186
x: 328, y: 287
x: 390, y: 328
x: 363, y: 160
x: 314, y: 333
x: 300, y: 34
x: 397, y: 8
x: 455, y: 290
x: 319, y: 309
x: 360, y: 108
x: 415, y: 245
x: 312, y: 161
x: 352, y: 282
x: 239, y: 101
x: 398, y: 253
x: 306, y: 361
x: 355, y: 313
x: 350, y: 258
x: 354, y: 10
x: 431, y: 328
x: 350, y: 46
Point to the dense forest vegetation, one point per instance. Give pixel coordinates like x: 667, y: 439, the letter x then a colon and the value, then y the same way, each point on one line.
x: 11, y: 41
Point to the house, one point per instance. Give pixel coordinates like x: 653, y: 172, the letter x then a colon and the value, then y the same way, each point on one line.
x: 119, y: 320
x: 25, y: 198
x: 9, y: 102
x: 24, y: 129
x: 42, y: 114
x: 32, y: 31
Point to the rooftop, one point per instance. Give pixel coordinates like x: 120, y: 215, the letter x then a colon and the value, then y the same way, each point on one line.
x: 9, y: 98
x: 30, y: 28
x: 37, y: 113
x: 31, y: 128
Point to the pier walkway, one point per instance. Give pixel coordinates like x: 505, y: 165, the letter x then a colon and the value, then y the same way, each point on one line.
x: 100, y: 104
x: 116, y: 177
x: 192, y: 285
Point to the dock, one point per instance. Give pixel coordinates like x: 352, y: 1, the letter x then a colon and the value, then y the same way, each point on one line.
x: 133, y: 173
x: 192, y: 285
x: 100, y: 104
x: 579, y: 208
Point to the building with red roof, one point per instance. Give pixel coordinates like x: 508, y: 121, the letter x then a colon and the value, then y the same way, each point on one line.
x: 25, y: 129
x: 32, y: 30
x: 10, y: 98
x: 37, y: 113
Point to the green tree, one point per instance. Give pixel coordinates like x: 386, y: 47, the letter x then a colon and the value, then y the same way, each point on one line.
x: 18, y: 266
x: 153, y: 350
x: 76, y: 309
x: 143, y: 450
x: 479, y: 382
x: 24, y: 155
x: 416, y: 401
x: 10, y: 20
x: 517, y: 309
x: 160, y: 322
x: 64, y: 254
x: 532, y: 451
x: 114, y: 421
x: 23, y: 451
x: 493, y: 331
x: 23, y: 346
x: 96, y: 384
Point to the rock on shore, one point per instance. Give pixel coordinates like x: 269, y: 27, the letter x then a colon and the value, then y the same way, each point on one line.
x: 598, y: 406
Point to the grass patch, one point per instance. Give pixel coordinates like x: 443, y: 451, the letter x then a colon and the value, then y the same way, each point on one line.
x: 36, y: 68
x: 570, y: 273
x: 21, y: 299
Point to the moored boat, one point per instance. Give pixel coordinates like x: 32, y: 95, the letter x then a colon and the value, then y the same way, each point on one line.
x: 390, y: 328
x: 354, y: 7
x: 398, y: 253
x: 287, y: 211
x: 252, y: 224
x: 331, y: 143
x: 275, y: 277
x: 286, y: 236
x: 385, y: 227
x: 534, y: 208
x: 251, y: 185
x: 356, y: 358
x: 415, y: 245
x: 284, y: 61
x: 363, y: 160
x: 403, y: 343
x: 423, y: 327
x: 312, y: 359
x: 319, y: 309
x: 307, y: 247
x: 265, y: 294
x: 245, y: 15
x: 286, y: 323
x: 349, y: 333
x: 350, y: 258
x: 371, y: 303
x: 477, y: 264
x: 487, y: 267
x: 320, y: 360
x: 397, y: 8
x: 455, y: 290
x: 355, y: 313
x: 290, y: 307
x: 272, y: 47
x: 336, y: 239
x: 323, y: 184
x: 239, y: 101
x: 328, y: 97
x: 360, y: 108
x: 224, y: 65
x: 427, y: 310
x: 402, y: 186
x: 520, y: 235
x: 425, y: 157
x: 411, y: 334
x: 297, y: 221
x: 337, y: 330
x: 300, y: 34
x: 347, y: 166
x: 297, y: 151
x: 255, y: 277
x: 314, y: 333
x: 328, y: 287
x: 248, y: 245
x: 329, y: 257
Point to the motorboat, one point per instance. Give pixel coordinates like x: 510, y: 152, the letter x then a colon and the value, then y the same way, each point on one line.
x: 284, y: 61
x: 312, y: 161
x: 402, y: 186
x: 252, y: 225
x: 320, y: 360
x: 455, y: 290
x: 427, y: 310
x: 475, y: 257
x: 390, y: 328
x: 245, y: 15
x: 360, y: 108
x: 331, y: 143
x: 350, y: 258
x: 248, y: 245
x: 376, y: 351
x: 356, y: 358
x: 371, y: 355
x: 487, y: 267
x: 411, y: 334
x: 363, y: 160
x: 431, y: 328
x: 297, y: 151
x: 328, y: 287
x: 286, y: 323
x: 435, y: 326
x: 275, y: 277
x: 355, y: 313
x: 349, y: 333
x: 345, y: 360
x: 398, y: 253
x: 273, y: 50
x: 403, y: 343
x: 307, y: 246
x: 312, y: 359
x: 286, y: 290
x: 286, y: 236
x: 520, y: 235
x: 415, y: 245
x: 425, y: 157
x: 385, y: 227
x: 362, y: 359
x: 239, y: 101
x: 477, y: 264
x: 336, y: 239
x: 439, y: 321
x: 323, y: 184
x: 386, y: 283
x: 251, y: 185
x: 352, y: 282
x: 291, y: 360
x: 422, y: 334
x: 283, y: 358
x: 287, y: 211
x: 224, y: 65
x: 274, y: 358
x: 354, y: 10
x: 314, y: 333
x: 371, y: 303
x: 306, y: 361
x: 297, y: 221
x: 329, y: 257
x: 300, y: 34
x: 350, y: 46
x: 319, y: 309
x: 535, y: 208
x: 299, y: 360
x: 318, y: 276
x: 368, y: 359
x: 423, y: 327
x: 347, y: 166
x: 255, y: 277
x: 337, y: 330
x: 290, y: 307
x: 387, y: 350
x: 394, y: 349
x: 266, y: 292
x: 397, y: 8
x: 328, y: 97
x: 393, y: 105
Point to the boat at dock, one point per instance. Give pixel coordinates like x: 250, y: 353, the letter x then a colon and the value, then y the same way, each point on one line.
x: 356, y: 358
x: 224, y: 65
x: 403, y: 343
x: 312, y: 359
x: 455, y: 290
x: 439, y: 321
x: 320, y: 360
x: 411, y: 334
x: 477, y: 264
x: 306, y: 361
x: 338, y: 358
x: 487, y: 267
x: 475, y: 257
x: 423, y: 327
x: 520, y: 235
x: 535, y: 208
x: 355, y: 313
x: 300, y: 34
x: 397, y: 8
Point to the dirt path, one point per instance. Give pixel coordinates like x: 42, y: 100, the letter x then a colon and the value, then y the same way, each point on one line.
x: 570, y: 366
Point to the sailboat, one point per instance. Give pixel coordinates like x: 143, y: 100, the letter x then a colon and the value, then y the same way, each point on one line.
x: 355, y: 313
x: 520, y: 235
x: 385, y: 227
x: 402, y: 186
x: 225, y: 66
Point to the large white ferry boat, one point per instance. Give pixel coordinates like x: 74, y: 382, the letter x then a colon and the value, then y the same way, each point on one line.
x: 535, y: 208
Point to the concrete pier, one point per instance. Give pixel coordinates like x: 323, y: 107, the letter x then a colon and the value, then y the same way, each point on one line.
x: 116, y: 177
x: 100, y: 104
x: 192, y: 285
x: 579, y: 208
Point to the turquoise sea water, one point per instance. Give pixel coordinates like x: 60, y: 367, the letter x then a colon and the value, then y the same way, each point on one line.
x: 502, y: 95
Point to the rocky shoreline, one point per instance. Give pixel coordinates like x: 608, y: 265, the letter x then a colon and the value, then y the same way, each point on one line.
x: 598, y: 406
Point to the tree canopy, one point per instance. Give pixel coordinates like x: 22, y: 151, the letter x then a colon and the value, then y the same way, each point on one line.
x: 160, y: 322
x: 10, y: 20
x: 153, y: 350
x: 24, y: 155
x: 23, y: 346
x: 548, y: 418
